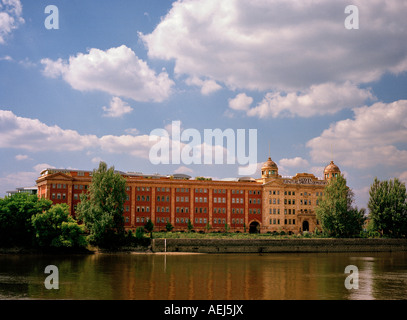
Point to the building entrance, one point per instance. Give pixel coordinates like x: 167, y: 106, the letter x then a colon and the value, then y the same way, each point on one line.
x: 254, y: 227
x: 305, y: 226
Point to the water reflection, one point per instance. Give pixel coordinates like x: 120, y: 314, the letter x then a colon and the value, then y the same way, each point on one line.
x: 206, y: 277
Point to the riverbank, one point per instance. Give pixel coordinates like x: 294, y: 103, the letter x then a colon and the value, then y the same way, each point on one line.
x: 277, y: 245
x: 222, y: 245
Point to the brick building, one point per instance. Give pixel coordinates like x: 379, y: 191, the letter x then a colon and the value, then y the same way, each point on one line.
x: 272, y: 203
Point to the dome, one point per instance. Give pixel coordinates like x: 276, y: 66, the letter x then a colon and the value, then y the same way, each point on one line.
x: 269, y: 164
x: 269, y: 169
x: 331, y: 170
x: 332, y: 167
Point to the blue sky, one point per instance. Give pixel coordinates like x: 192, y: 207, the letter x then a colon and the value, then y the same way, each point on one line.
x: 95, y: 88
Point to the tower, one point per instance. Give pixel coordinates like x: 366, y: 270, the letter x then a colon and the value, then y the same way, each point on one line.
x: 269, y: 169
x: 331, y: 171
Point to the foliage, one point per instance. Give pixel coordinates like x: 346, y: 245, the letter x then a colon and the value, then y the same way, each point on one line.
x: 388, y: 207
x: 140, y: 233
x: 169, y: 226
x: 101, y: 209
x: 335, y: 212
x: 203, y: 179
x: 190, y: 227
x: 149, y: 226
x: 56, y: 228
x: 15, y: 218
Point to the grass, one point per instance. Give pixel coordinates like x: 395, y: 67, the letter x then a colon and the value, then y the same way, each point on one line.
x: 228, y: 235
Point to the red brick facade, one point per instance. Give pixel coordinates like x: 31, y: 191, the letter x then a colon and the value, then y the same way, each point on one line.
x: 270, y: 204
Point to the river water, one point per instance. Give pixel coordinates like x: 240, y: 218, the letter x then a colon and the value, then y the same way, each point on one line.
x: 316, y: 276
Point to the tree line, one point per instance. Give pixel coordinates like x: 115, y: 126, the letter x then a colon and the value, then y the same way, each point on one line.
x: 28, y: 221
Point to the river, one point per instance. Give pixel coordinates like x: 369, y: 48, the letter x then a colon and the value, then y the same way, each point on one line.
x: 314, y: 276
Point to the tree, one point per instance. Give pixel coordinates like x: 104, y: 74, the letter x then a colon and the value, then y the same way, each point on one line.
x: 56, y: 228
x: 15, y: 218
x: 388, y: 207
x: 189, y: 225
x: 149, y: 226
x: 169, y: 226
x: 101, y: 209
x: 335, y: 211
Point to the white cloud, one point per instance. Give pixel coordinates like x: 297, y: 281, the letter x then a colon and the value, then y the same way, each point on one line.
x: 33, y: 135
x: 327, y: 98
x: 97, y: 160
x: 41, y: 166
x: 10, y: 17
x: 241, y: 102
x: 21, y: 157
x: 6, y: 58
x: 281, y: 45
x: 296, y: 162
x: 117, y: 71
x: 286, y: 167
x: 375, y: 137
x: 184, y: 170
x: 132, y: 131
x: 207, y: 86
x: 117, y: 108
x: 403, y: 177
x: 21, y: 179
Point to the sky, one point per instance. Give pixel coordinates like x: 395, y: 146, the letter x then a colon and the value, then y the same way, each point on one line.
x: 90, y: 80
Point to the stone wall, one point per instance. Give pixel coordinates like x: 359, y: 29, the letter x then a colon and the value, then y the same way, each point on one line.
x: 277, y: 245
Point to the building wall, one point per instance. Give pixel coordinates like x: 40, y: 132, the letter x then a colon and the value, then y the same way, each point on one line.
x: 270, y: 205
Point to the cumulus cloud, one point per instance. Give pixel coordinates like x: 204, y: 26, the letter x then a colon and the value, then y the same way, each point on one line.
x: 117, y: 71
x: 207, y: 86
x: 287, y: 166
x: 241, y: 102
x: 375, y: 136
x: 281, y: 45
x: 33, y: 135
x: 10, y: 17
x: 117, y: 108
x: 327, y: 98
x: 296, y: 162
x: 21, y: 157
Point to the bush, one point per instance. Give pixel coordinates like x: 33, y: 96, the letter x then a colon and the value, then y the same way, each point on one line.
x: 56, y: 228
x: 15, y: 218
x: 140, y: 232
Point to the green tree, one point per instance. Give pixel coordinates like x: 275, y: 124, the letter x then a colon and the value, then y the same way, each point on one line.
x: 56, y: 228
x: 15, y: 218
x: 140, y: 233
x: 149, y: 226
x: 190, y: 227
x: 169, y: 226
x: 335, y: 211
x: 388, y: 207
x: 101, y: 209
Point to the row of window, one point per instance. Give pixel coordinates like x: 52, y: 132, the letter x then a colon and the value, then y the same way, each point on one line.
x: 291, y: 201
x: 277, y: 211
x: 286, y: 221
x: 216, y: 221
x: 292, y: 193
x: 59, y: 196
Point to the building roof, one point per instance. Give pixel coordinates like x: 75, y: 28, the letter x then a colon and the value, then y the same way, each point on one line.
x: 332, y: 167
x: 269, y: 164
